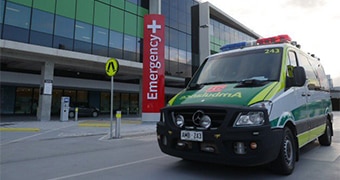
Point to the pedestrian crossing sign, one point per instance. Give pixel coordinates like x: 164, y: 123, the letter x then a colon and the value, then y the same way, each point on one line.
x: 111, y: 67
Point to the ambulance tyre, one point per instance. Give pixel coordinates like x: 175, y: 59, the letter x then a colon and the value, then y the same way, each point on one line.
x: 326, y: 138
x: 285, y: 162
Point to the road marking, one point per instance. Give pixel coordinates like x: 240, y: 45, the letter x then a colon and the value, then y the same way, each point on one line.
x: 93, y: 125
x: 27, y: 137
x: 105, y: 124
x: 108, y: 168
x: 20, y: 129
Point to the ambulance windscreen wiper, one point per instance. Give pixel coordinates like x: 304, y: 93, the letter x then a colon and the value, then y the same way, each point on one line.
x: 253, y: 82
x: 201, y: 85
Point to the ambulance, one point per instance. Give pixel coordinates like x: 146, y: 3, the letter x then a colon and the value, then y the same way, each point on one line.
x: 254, y: 103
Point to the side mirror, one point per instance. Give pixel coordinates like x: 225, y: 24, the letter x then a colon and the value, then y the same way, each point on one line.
x: 186, y: 81
x: 299, y: 76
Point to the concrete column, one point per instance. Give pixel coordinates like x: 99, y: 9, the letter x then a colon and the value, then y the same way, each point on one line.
x: 155, y: 7
x: 140, y: 104
x: 204, y: 26
x: 45, y: 96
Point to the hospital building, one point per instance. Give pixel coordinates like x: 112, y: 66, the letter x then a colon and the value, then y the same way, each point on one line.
x: 55, y: 48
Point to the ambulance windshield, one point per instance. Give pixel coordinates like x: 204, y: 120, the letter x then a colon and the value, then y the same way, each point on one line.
x: 261, y: 65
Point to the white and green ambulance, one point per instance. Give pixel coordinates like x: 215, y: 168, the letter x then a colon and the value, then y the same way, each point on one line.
x: 254, y: 103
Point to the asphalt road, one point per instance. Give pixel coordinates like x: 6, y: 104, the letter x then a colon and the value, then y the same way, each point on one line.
x: 94, y: 157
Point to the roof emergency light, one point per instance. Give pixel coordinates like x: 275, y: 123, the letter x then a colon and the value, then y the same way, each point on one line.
x: 238, y: 45
x: 270, y: 40
x: 275, y: 39
x: 228, y: 47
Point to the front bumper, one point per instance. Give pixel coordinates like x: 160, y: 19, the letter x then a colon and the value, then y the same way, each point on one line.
x: 240, y: 146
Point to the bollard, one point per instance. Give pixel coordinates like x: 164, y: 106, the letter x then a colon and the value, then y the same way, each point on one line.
x: 76, y: 114
x: 118, y: 122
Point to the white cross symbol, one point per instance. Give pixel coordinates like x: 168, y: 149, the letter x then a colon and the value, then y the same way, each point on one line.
x: 153, y: 26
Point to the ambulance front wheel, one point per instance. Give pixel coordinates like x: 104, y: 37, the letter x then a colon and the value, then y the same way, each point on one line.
x: 285, y: 162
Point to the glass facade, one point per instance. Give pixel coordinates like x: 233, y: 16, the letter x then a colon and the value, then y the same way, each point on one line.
x: 111, y: 28
x: 221, y: 34
x: 178, y: 52
x: 24, y: 100
x: 88, y: 26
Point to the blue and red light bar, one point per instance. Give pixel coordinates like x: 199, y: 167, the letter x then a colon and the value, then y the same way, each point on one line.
x: 228, y: 47
x: 274, y: 40
x: 270, y: 40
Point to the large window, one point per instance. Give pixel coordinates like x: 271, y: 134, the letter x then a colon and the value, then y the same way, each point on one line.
x: 125, y: 103
x: 83, y: 36
x: 116, y: 102
x: 85, y: 11
x: 42, y: 28
x: 72, y: 94
x: 173, y: 38
x: 130, y: 47
x: 117, y: 19
x: 130, y: 25
x: 42, y: 21
x: 2, y: 11
x: 82, y: 96
x: 116, y: 44
x: 313, y: 82
x: 17, y: 15
x: 66, y: 8
x: 56, y: 100
x: 40, y: 38
x: 7, y: 99
x: 105, y: 102
x: 17, y: 22
x: 101, y: 15
x: 100, y: 41
x: 64, y: 33
x: 64, y: 27
x: 221, y: 34
x: 178, y: 49
x: 134, y: 105
x: 23, y: 100
x: 100, y: 36
x: 83, y: 32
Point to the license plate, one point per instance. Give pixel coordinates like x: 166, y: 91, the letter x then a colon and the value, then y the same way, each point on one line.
x: 192, y: 136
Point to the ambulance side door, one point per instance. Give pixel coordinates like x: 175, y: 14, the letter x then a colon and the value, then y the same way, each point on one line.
x: 312, y: 96
x: 301, y: 95
x: 315, y: 100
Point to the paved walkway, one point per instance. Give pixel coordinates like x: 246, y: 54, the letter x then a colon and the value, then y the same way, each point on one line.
x: 130, y: 126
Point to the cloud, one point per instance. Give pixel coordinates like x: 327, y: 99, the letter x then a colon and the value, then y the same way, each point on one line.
x: 306, y: 4
x: 312, y: 23
x: 336, y: 81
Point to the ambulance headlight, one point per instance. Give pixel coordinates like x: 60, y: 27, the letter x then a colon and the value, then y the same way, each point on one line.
x: 179, y: 120
x: 253, y: 118
x: 265, y: 104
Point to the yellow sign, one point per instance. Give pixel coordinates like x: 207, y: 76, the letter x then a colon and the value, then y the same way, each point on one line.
x: 111, y: 67
x: 119, y: 114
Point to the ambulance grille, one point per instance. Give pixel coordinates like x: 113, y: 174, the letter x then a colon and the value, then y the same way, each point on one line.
x: 217, y: 117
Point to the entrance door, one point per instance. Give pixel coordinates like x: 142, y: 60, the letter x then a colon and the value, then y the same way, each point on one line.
x: 23, y: 101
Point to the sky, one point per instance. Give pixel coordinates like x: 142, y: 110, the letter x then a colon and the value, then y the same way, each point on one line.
x: 314, y: 24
